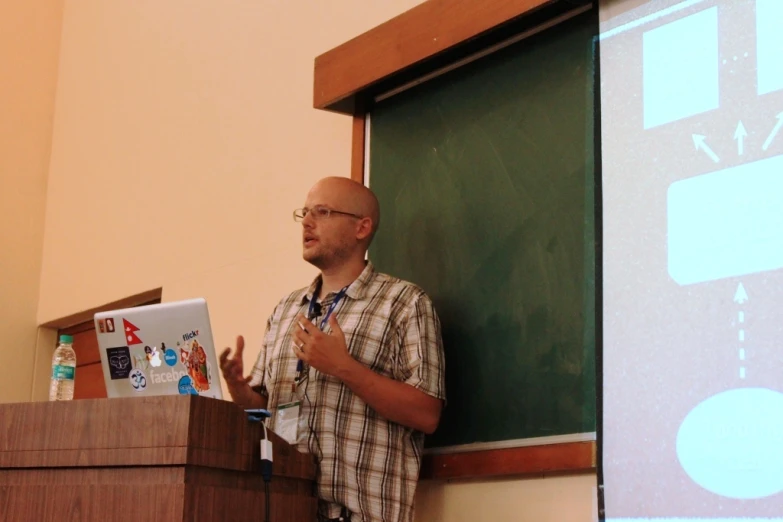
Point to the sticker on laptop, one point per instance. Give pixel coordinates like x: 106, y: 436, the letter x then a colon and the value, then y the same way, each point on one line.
x: 119, y: 362
x: 195, y: 360
x: 130, y: 330
x: 138, y: 380
x: 169, y: 355
x: 102, y: 325
x: 185, y: 386
x: 153, y: 356
x: 110, y: 325
x: 140, y: 361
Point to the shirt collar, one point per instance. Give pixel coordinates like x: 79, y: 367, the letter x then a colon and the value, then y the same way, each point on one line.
x: 356, y: 290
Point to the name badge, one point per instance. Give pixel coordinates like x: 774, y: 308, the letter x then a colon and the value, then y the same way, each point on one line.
x: 287, y: 421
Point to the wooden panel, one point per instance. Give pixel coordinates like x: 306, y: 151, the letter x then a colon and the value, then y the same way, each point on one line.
x: 137, y: 422
x: 219, y: 491
x: 159, y: 493
x: 108, y: 476
x: 140, y: 431
x: 357, y: 148
x: 85, y: 344
x: 211, y: 505
x: 89, y: 382
x: 223, y: 478
x: 116, y: 503
x: 62, y: 458
x: 532, y: 460
x: 231, y: 446
x: 140, y: 459
x: 414, y: 36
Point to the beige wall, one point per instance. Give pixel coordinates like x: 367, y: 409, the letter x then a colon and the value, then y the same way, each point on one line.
x: 183, y: 138
x: 29, y: 50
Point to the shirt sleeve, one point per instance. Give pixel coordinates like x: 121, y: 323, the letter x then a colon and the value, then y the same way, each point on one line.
x: 422, y: 360
x: 260, y: 370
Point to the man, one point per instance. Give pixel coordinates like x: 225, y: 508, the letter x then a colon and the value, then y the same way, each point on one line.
x: 352, y: 367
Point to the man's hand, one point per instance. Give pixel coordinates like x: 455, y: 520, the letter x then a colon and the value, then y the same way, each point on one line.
x: 233, y: 368
x: 397, y: 401
x: 326, y: 353
x: 238, y: 384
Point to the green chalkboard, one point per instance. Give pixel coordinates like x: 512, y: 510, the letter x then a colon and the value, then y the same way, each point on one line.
x: 485, y: 177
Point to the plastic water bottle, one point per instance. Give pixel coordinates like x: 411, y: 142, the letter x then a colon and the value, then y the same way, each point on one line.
x: 63, y: 370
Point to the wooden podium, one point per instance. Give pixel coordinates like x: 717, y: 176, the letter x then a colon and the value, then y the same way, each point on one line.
x: 173, y: 458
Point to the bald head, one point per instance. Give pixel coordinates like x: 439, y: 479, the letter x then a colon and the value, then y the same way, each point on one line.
x: 349, y: 196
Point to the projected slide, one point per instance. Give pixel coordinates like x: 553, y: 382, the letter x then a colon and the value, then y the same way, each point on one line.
x: 692, y: 156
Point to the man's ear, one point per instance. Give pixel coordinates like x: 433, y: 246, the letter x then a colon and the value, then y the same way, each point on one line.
x: 363, y: 228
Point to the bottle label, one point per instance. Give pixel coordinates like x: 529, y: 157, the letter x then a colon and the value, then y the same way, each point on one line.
x: 62, y: 373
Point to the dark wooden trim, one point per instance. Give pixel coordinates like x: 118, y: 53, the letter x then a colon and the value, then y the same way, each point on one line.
x: 82, y: 327
x: 418, y: 41
x: 529, y: 460
x: 357, y: 148
x: 89, y: 323
x: 77, y: 320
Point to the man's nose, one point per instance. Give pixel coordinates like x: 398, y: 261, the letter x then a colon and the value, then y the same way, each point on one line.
x: 308, y: 221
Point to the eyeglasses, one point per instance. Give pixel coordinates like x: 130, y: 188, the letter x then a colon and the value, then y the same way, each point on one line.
x: 320, y: 212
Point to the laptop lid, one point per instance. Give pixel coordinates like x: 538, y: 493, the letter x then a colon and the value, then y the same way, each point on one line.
x: 160, y: 349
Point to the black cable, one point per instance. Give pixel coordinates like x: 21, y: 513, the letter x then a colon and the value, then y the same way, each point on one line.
x: 266, y: 501
x: 266, y: 455
x: 266, y: 470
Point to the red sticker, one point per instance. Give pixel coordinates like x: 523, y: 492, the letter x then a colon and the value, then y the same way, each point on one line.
x: 130, y: 332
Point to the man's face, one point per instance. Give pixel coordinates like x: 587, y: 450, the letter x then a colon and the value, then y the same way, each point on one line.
x: 329, y: 241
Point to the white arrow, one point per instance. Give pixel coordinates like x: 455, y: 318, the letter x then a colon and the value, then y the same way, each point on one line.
x: 698, y: 140
x: 774, y: 132
x: 740, y: 296
x: 740, y: 134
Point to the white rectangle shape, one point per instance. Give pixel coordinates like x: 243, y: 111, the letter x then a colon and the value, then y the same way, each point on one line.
x: 742, y: 335
x: 742, y: 354
x: 742, y: 372
x: 742, y: 317
x: 727, y: 223
x: 680, y: 68
x: 769, y: 45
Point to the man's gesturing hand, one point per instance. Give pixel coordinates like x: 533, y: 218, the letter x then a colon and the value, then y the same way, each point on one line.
x: 233, y: 368
x: 326, y: 353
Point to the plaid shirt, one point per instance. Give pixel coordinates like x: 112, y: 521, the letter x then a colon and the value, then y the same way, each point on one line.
x: 366, y: 463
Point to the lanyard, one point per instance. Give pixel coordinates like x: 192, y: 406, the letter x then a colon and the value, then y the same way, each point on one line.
x: 310, y: 314
x: 336, y: 300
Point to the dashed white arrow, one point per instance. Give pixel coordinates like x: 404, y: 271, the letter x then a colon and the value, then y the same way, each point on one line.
x: 740, y: 296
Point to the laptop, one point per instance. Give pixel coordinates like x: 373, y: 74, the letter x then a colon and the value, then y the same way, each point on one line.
x: 160, y: 349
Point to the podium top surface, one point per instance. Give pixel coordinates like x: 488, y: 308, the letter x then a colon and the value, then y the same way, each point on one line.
x: 144, y: 431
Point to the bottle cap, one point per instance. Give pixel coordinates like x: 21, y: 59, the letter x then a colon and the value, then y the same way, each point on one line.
x: 66, y: 339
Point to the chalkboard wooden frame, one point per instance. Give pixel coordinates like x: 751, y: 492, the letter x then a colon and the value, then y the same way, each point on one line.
x: 428, y: 37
